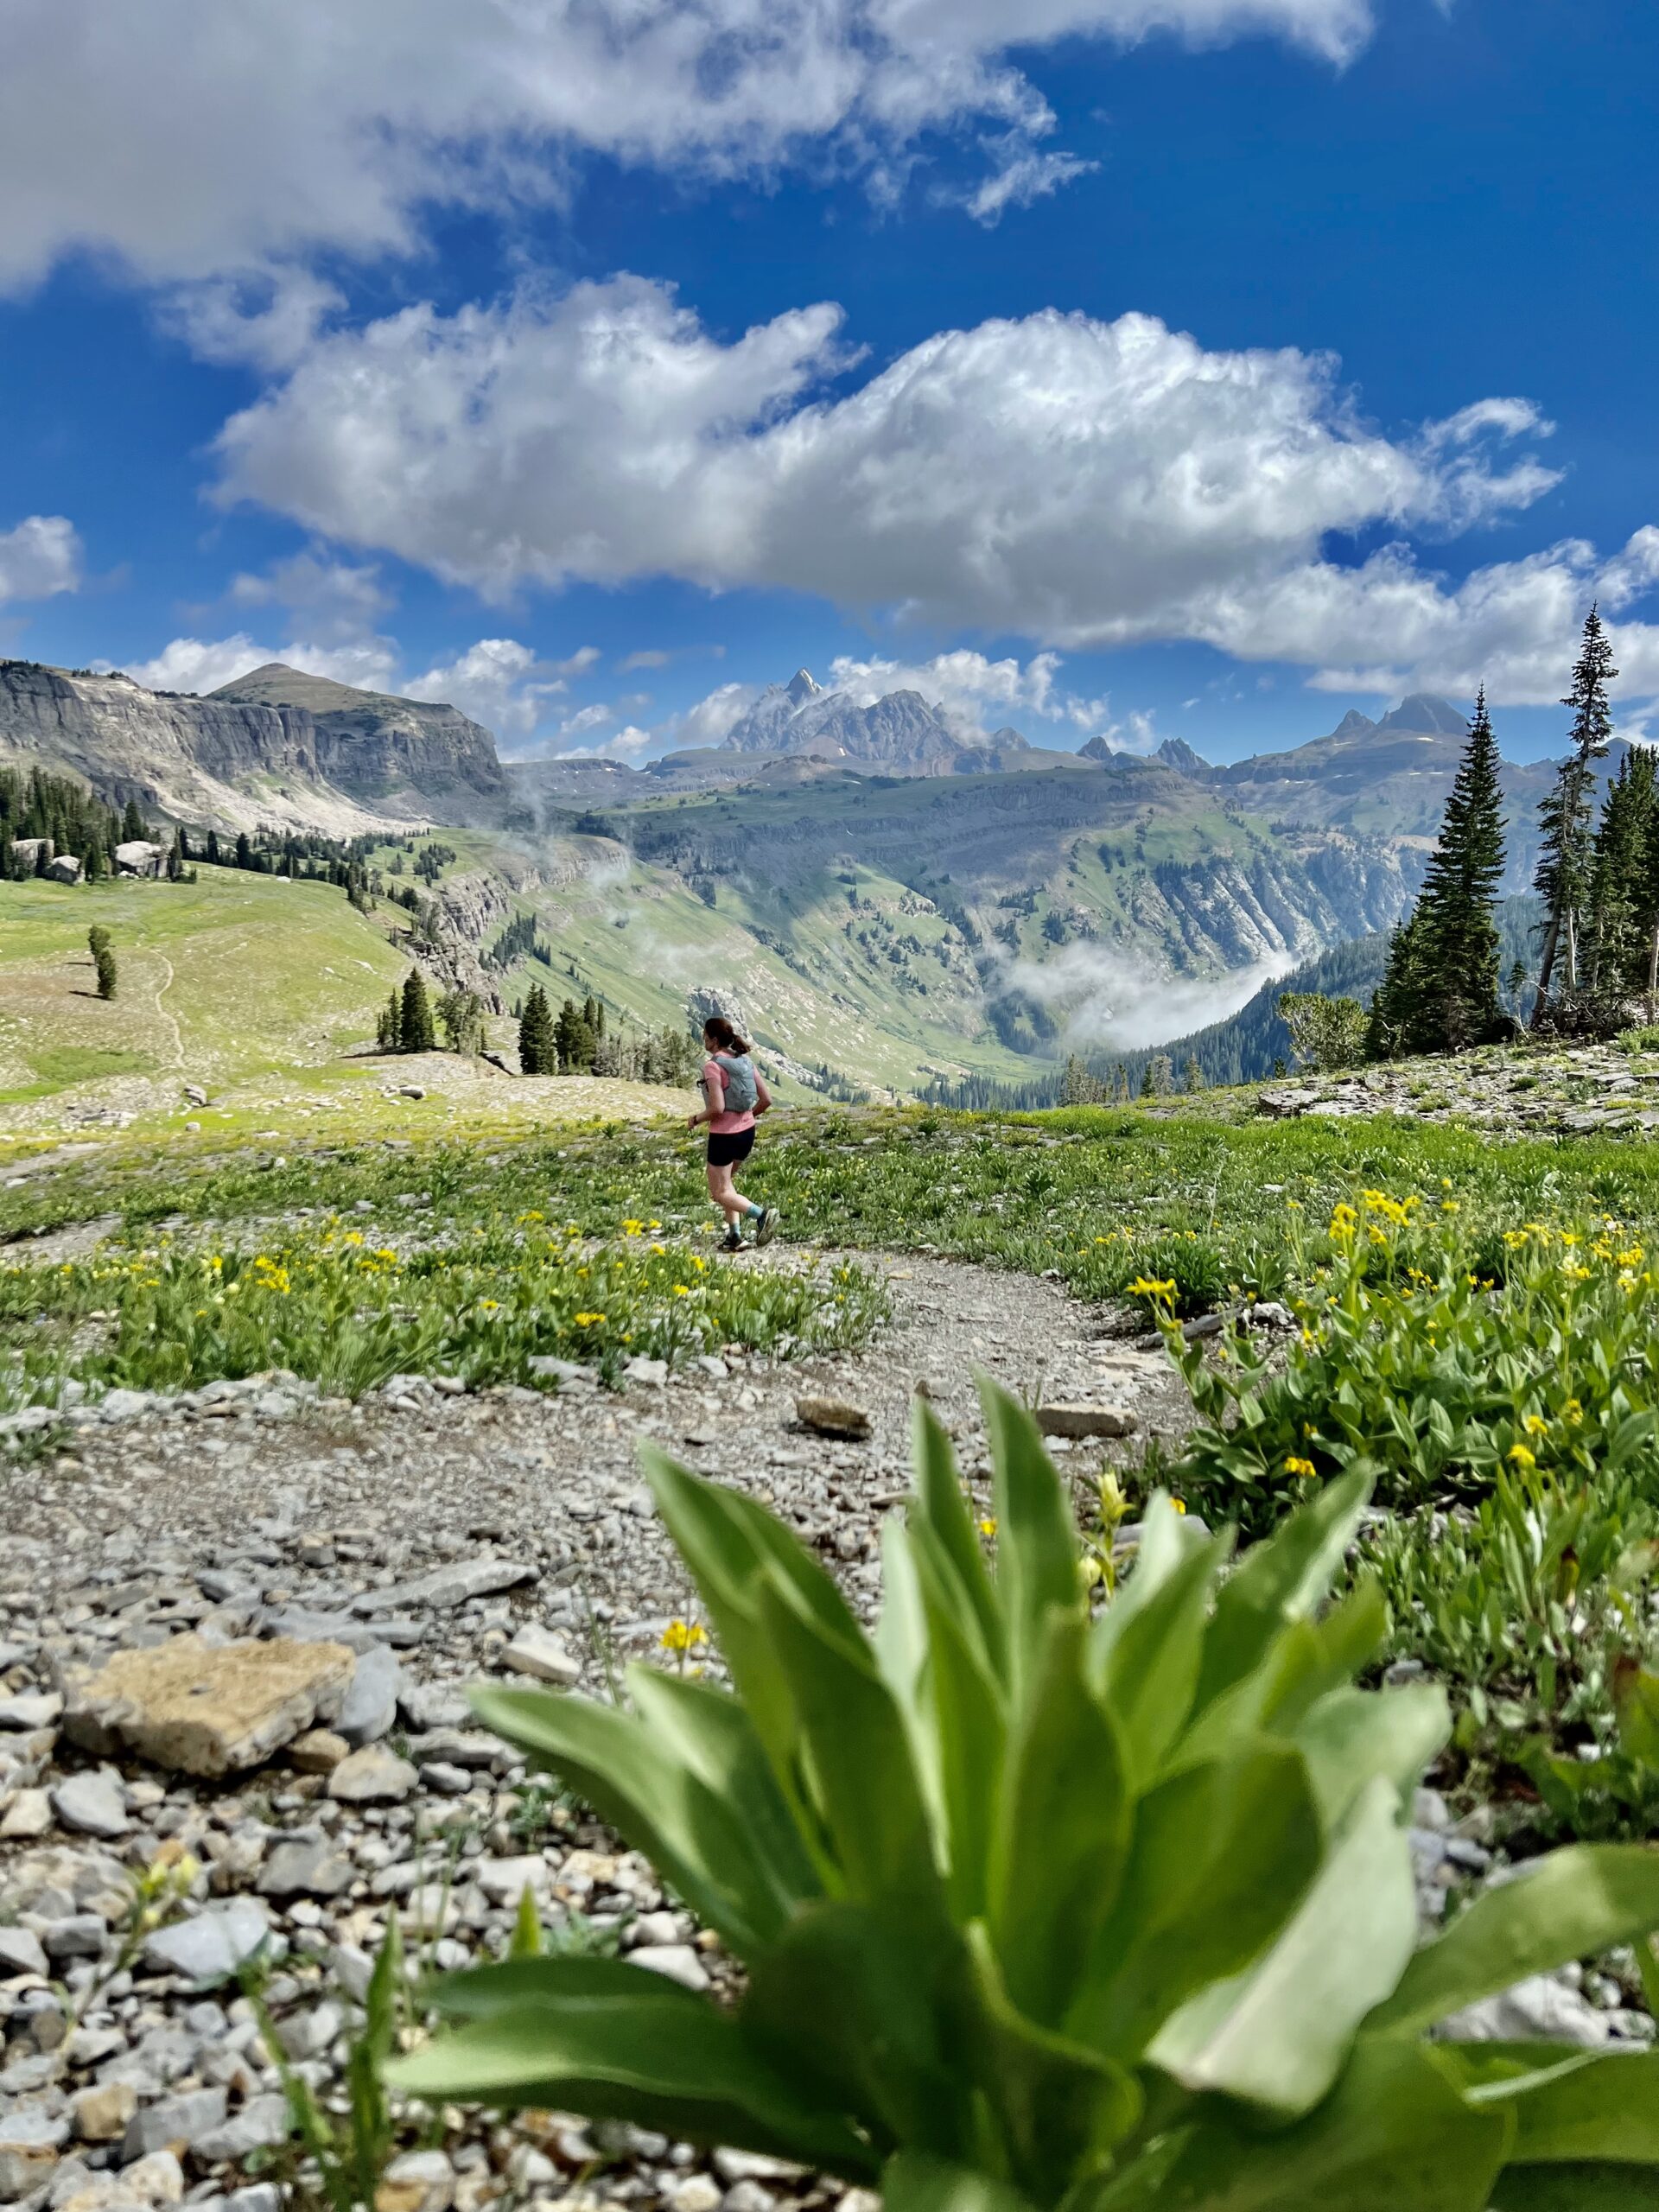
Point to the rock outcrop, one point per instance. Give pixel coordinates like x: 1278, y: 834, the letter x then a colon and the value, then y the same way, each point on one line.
x: 279, y: 749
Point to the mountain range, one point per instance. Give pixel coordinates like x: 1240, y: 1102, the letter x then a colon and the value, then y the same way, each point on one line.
x: 898, y: 899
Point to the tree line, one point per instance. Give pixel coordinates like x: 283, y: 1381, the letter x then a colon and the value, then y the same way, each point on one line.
x: 1598, y: 883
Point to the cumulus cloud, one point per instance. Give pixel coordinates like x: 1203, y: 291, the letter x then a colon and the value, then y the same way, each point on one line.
x: 974, y: 694
x: 191, y: 140
x: 40, y: 557
x: 498, y: 682
x: 1084, y: 484
x: 201, y: 664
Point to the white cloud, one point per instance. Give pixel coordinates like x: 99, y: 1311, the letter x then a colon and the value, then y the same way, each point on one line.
x: 1105, y: 999
x: 203, y: 665
x: 978, y: 695
x: 1025, y: 175
x: 39, y: 558
x: 579, y: 663
x: 191, y: 139
x: 626, y: 744
x: 1081, y: 483
x: 713, y: 719
x: 498, y: 682
x: 653, y: 656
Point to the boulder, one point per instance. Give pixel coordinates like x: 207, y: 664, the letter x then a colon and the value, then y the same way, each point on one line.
x: 66, y: 869
x: 209, y: 1709
x: 542, y: 1654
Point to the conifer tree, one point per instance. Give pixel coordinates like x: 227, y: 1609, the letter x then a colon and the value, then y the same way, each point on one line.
x: 537, y: 1052
x: 103, y: 961
x: 244, y: 850
x: 212, y: 849
x: 1192, y: 1074
x: 1457, y: 908
x: 389, y: 1028
x: 1395, y: 1026
x: 1563, y: 879
x: 132, y: 822
x: 416, y: 1033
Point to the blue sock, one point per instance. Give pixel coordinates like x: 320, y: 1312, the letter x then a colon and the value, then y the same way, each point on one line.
x: 755, y: 1212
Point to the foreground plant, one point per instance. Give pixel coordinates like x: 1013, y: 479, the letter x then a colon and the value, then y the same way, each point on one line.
x: 1040, y: 1910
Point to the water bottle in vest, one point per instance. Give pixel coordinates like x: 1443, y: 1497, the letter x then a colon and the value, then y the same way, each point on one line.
x: 740, y: 1091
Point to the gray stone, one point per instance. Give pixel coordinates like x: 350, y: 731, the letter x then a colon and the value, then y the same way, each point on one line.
x: 653, y: 1372
x: 175, y: 2122
x: 30, y: 2137
x: 675, y: 1961
x: 90, y: 1804
x: 434, y: 1704
x: 209, y: 1709
x: 257, y: 2197
x: 262, y: 2121
x: 542, y: 1654
x: 32, y: 1709
x: 544, y: 1363
x: 371, y: 1705
x: 311, y: 1870
x: 373, y: 1776
x: 448, y: 1586
x: 21, y: 1951
x: 1540, y: 2006
x: 80, y: 1936
x: 211, y: 1947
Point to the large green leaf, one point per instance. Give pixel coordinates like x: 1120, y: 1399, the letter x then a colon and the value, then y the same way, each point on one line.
x: 1585, y: 2187
x: 731, y: 1544
x: 1058, y: 2109
x: 964, y: 1731
x: 1036, y: 1536
x: 695, y: 1834
x: 1145, y: 1657
x: 850, y: 1740
x: 1393, y: 2136
x: 940, y: 1506
x: 1064, y: 1823
x: 913, y: 2181
x: 1570, y: 1905
x: 1351, y: 1735
x: 712, y: 1733
x: 614, y: 2041
x: 854, y: 2007
x: 1278, y: 2034
x: 1223, y: 1853
x: 1281, y: 1580
x: 1604, y: 2107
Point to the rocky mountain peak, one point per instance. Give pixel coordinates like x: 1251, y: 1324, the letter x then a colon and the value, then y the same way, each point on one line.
x: 1423, y: 714
x: 1354, y: 724
x: 1175, y: 753
x: 801, y: 687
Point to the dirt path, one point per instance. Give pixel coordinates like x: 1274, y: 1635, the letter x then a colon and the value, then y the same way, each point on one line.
x: 171, y: 1019
x: 438, y: 1474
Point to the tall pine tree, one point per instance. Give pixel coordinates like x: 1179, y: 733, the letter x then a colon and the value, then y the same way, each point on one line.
x: 1458, y: 908
x: 1395, y: 1027
x: 1565, y: 866
x: 416, y: 1032
x: 537, y: 1052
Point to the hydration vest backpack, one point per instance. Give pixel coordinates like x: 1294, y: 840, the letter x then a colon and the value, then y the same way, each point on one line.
x: 741, y: 1090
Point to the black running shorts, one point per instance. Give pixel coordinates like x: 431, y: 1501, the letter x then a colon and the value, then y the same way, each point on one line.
x: 727, y: 1151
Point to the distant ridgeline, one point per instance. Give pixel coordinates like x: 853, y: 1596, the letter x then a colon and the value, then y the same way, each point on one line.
x: 1251, y: 1045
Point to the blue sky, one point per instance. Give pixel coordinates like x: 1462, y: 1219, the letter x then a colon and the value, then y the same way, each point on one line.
x: 1202, y: 368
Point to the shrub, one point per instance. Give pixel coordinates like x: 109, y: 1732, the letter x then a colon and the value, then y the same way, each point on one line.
x: 1041, y: 1911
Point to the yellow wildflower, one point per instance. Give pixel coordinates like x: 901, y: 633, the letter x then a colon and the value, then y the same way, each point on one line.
x: 1142, y: 1288
x: 589, y: 1320
x: 1535, y: 1425
x: 1522, y: 1458
x: 683, y: 1636
x: 988, y: 1527
x: 1295, y: 1466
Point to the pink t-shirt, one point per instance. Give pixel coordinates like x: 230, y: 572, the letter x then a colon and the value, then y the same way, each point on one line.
x: 713, y: 1087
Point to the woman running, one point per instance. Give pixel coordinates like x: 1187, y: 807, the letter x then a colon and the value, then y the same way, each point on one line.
x: 734, y: 1094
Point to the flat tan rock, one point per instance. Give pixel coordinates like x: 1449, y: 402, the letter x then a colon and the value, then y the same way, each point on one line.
x: 209, y: 1709
x: 1085, y: 1421
x: 833, y: 1417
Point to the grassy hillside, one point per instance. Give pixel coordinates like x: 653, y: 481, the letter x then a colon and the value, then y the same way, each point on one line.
x: 258, y: 989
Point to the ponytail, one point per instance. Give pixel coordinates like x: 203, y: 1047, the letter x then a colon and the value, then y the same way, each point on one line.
x: 726, y: 1038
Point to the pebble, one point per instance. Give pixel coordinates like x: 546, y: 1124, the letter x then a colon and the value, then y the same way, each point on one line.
x: 212, y: 1946
x: 675, y: 1961
x: 543, y: 1655
x: 827, y: 1416
x: 92, y: 1804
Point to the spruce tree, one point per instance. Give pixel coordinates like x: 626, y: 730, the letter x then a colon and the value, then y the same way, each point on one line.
x: 416, y: 1033
x: 103, y: 961
x: 212, y: 849
x: 1563, y: 879
x: 1457, y: 908
x: 132, y: 822
x: 389, y: 1026
x: 1395, y: 1027
x: 537, y: 1052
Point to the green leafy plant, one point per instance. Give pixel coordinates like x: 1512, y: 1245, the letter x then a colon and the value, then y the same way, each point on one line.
x: 1042, y: 1909
x: 1438, y: 1353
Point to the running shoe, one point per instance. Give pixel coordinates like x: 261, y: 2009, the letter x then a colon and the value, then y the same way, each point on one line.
x: 731, y: 1241
x: 766, y: 1228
